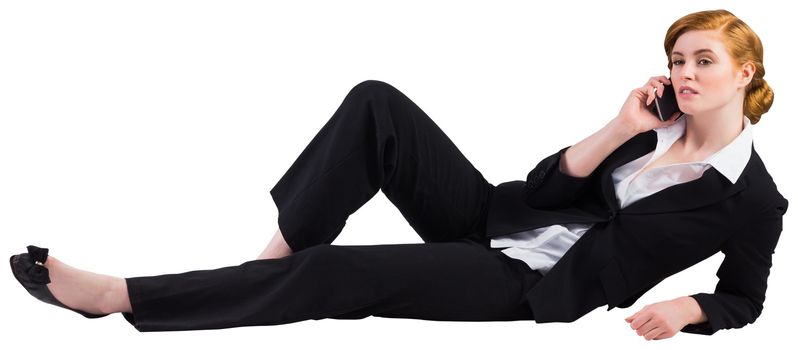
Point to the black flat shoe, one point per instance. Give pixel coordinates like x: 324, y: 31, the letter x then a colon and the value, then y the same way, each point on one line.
x: 29, y: 270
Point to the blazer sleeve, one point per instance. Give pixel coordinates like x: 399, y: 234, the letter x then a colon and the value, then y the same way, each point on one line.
x: 740, y: 291
x: 547, y: 187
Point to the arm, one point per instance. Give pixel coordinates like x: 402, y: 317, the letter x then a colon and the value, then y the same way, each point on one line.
x: 739, y: 295
x: 664, y: 319
x: 548, y: 187
x: 557, y: 180
x: 740, y: 292
x: 697, y: 315
x: 582, y: 158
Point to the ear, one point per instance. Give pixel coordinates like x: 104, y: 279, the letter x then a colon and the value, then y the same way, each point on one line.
x: 746, y: 74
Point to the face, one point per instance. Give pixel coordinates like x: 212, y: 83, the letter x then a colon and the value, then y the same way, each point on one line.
x: 700, y: 61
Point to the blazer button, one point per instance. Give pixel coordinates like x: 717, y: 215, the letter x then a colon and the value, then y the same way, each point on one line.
x: 612, y: 215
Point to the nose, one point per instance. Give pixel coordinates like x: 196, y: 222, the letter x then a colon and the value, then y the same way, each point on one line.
x: 686, y: 72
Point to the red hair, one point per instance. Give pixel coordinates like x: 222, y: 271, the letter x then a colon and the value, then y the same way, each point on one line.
x: 742, y: 44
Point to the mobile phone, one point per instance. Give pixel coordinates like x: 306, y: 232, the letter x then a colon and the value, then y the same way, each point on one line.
x: 664, y: 107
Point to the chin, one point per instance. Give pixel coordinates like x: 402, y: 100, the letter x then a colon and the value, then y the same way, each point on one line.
x: 689, y: 111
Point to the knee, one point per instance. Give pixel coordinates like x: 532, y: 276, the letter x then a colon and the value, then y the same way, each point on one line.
x: 374, y: 100
x: 371, y: 88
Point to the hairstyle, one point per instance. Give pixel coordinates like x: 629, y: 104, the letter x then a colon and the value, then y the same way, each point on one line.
x: 741, y: 43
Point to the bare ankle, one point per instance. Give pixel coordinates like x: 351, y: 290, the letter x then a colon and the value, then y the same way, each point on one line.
x: 277, y: 247
x: 116, y: 298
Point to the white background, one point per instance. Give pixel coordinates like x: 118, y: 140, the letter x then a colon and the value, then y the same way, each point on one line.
x: 142, y: 137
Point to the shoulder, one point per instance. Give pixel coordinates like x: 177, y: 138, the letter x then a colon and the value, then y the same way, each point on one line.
x: 761, y: 193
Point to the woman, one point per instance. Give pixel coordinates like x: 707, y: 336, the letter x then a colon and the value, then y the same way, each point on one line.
x: 635, y: 202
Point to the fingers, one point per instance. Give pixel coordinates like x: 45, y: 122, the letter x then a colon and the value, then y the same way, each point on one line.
x: 647, y: 326
x: 650, y: 93
x: 654, y: 86
x: 660, y: 79
x: 653, y: 89
x: 653, y: 333
x: 631, y: 318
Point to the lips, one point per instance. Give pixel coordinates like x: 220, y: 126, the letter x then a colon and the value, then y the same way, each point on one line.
x: 687, y: 89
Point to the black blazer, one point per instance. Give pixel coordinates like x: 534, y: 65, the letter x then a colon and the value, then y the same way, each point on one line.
x: 628, y: 251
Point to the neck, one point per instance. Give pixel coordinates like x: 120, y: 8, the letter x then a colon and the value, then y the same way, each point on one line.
x: 710, y: 131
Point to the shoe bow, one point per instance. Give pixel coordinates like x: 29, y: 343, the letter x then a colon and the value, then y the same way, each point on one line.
x: 37, y: 272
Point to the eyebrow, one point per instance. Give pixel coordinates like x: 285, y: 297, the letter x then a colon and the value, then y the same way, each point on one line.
x: 696, y: 52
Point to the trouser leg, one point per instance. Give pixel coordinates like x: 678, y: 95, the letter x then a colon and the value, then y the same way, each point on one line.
x: 378, y: 139
x: 456, y: 281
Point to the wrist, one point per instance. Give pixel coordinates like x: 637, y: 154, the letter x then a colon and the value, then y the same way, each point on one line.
x: 694, y: 313
x: 621, y: 129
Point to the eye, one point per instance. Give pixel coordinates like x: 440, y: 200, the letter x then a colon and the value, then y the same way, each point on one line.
x: 677, y: 62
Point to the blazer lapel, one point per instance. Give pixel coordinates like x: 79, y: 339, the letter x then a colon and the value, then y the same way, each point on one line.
x: 635, y: 148
x: 710, y: 188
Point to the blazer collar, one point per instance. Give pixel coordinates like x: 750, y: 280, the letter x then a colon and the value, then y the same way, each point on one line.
x: 710, y: 188
x: 729, y: 160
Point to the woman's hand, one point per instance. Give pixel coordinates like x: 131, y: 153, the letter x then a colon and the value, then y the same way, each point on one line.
x: 634, y: 114
x: 661, y: 320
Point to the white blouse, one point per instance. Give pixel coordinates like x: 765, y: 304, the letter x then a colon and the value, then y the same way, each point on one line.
x: 541, y: 248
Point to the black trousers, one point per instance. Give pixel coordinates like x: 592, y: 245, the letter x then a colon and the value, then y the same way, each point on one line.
x: 378, y: 139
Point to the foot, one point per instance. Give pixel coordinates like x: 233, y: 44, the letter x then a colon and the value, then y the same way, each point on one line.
x: 87, y: 291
